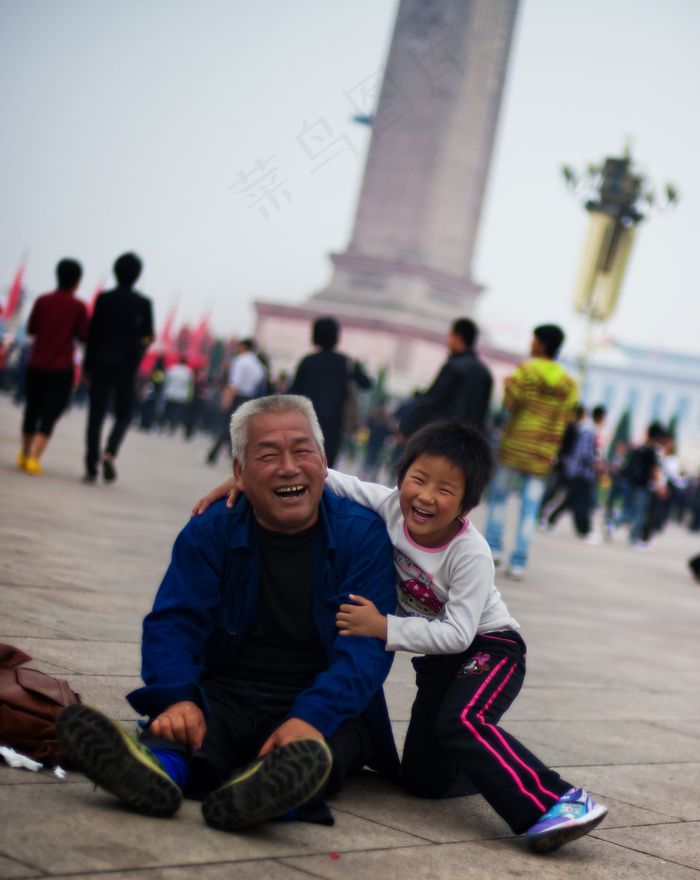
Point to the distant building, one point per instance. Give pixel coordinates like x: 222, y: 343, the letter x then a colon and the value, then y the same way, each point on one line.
x: 649, y: 384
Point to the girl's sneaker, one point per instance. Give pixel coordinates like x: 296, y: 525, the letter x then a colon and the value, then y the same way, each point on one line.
x: 573, y: 815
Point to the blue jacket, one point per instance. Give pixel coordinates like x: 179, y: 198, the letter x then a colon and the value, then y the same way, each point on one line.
x: 207, y: 600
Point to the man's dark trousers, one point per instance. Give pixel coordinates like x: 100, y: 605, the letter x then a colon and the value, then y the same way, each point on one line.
x: 578, y: 500
x: 102, y: 383
x: 237, y: 728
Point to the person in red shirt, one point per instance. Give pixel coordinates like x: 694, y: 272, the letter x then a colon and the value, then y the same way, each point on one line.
x: 57, y: 321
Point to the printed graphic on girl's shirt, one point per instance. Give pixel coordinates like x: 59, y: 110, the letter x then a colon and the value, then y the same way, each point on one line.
x: 475, y: 665
x: 416, y: 595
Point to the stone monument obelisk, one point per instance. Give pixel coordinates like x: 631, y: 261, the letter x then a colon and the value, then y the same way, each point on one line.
x: 433, y: 132
x: 406, y: 273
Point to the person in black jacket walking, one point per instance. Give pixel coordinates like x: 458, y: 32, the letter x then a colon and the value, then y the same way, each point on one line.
x: 462, y: 388
x: 329, y: 378
x: 121, y: 329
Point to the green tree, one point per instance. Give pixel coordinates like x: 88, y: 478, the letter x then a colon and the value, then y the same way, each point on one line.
x: 622, y: 432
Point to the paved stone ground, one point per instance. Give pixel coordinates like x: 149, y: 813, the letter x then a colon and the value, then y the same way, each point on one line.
x: 612, y: 697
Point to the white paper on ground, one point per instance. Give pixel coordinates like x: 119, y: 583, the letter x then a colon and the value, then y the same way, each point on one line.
x: 14, y: 759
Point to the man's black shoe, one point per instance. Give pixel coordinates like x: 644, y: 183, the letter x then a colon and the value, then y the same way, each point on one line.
x: 99, y: 748
x: 109, y: 472
x: 271, y: 786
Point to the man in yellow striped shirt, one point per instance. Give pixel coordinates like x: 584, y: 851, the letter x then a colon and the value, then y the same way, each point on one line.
x: 539, y: 396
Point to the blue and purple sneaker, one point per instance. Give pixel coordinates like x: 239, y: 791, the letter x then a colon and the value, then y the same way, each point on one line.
x: 573, y: 815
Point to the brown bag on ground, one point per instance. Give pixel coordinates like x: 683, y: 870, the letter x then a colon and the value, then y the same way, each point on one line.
x: 30, y: 703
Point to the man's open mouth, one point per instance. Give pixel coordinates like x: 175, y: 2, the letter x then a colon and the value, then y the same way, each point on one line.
x: 290, y: 491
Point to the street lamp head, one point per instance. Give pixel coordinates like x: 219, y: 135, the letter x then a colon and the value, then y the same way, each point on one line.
x: 617, y: 189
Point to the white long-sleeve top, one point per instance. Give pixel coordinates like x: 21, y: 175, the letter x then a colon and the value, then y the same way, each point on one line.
x: 446, y: 595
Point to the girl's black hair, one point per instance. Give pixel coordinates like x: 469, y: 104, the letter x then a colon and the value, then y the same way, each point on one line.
x: 462, y: 445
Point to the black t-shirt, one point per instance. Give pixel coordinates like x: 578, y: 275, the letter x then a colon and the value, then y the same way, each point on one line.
x: 282, y: 653
x: 640, y: 467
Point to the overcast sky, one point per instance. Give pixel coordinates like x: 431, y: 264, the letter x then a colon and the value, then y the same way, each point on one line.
x: 143, y: 125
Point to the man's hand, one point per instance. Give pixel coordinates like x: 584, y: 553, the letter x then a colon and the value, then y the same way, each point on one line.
x: 183, y: 723
x: 293, y: 728
x: 227, y: 488
x: 361, y: 619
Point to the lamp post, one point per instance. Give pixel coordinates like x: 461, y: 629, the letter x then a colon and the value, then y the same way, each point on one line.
x: 617, y: 198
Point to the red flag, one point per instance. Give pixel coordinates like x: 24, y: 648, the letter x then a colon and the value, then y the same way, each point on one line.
x: 15, y: 295
x: 197, y: 336
x: 166, y: 334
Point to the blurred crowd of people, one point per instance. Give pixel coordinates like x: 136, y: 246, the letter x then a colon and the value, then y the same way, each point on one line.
x: 549, y: 449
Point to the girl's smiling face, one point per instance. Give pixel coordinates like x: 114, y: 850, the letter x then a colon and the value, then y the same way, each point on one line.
x: 431, y: 495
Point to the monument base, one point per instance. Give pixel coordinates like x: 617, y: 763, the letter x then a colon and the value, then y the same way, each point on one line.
x: 399, y: 287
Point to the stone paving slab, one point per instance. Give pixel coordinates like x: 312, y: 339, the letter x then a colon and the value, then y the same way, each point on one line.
x: 71, y: 614
x: 262, y: 869
x: 593, y: 859
x: 612, y: 696
x: 669, y: 788
x: 103, y: 835
x: 662, y: 841
x: 595, y: 742
x: 543, y: 703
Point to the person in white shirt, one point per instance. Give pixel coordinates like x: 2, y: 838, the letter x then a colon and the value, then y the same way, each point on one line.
x: 450, y: 610
x: 177, y: 392
x: 246, y: 381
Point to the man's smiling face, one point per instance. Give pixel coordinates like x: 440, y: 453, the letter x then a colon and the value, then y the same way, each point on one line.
x: 284, y: 471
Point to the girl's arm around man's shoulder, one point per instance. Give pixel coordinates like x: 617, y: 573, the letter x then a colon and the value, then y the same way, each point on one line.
x: 371, y: 495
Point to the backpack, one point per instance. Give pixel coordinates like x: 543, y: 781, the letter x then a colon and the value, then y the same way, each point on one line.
x: 30, y: 703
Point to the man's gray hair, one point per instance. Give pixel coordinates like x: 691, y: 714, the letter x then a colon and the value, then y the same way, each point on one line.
x: 275, y: 403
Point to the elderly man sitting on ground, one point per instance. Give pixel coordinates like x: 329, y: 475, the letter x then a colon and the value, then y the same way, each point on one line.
x: 255, y: 704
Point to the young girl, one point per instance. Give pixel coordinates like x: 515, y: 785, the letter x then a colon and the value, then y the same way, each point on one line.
x: 450, y: 611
